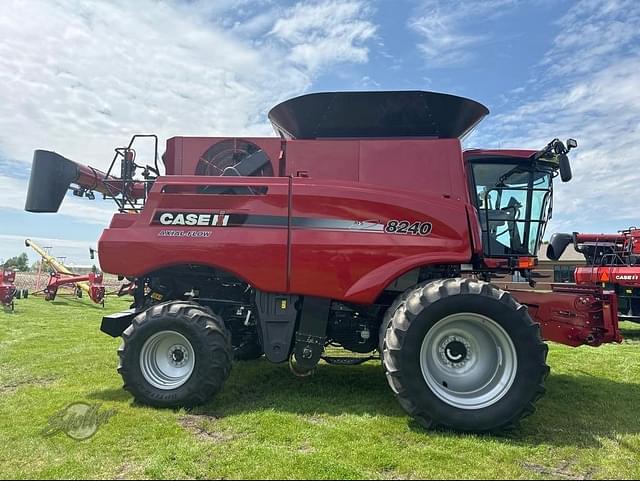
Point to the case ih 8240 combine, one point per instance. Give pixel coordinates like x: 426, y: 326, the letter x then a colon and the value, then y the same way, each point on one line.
x: 362, y: 225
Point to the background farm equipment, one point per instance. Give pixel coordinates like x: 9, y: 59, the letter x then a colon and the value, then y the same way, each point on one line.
x: 363, y: 225
x: 90, y: 283
x: 613, y: 263
x: 8, y: 289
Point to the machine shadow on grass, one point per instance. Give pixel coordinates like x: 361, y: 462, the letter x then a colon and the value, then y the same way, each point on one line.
x: 578, y: 410
x: 259, y: 385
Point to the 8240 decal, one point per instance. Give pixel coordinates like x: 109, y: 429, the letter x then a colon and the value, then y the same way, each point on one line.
x: 406, y: 227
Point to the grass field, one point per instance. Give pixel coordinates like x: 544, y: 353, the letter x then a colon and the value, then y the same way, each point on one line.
x: 343, y: 422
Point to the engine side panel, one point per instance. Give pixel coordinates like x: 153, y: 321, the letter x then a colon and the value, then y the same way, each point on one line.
x: 245, y: 246
x: 339, y: 247
x: 318, y: 232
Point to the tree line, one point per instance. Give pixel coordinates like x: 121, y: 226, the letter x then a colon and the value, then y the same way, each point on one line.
x: 19, y: 263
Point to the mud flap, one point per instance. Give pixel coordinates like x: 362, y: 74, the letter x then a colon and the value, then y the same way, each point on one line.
x: 278, y: 315
x: 312, y: 332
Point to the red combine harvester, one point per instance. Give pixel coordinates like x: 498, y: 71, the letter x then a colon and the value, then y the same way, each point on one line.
x: 613, y: 262
x: 61, y: 276
x: 362, y: 225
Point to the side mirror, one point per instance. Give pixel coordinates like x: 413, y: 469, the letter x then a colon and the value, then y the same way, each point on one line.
x: 571, y: 144
x: 565, y: 168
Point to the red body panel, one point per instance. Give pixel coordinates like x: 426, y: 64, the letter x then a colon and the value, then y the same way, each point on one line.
x: 418, y: 166
x: 257, y: 255
x: 331, y: 185
x: 340, y: 263
x: 356, y: 266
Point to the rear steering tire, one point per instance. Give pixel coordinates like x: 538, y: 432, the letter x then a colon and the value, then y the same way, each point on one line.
x: 176, y: 354
x: 461, y: 354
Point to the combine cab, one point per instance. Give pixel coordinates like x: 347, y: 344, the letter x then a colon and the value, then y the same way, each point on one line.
x: 362, y: 226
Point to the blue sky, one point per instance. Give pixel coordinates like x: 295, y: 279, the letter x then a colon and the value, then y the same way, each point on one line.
x: 80, y: 77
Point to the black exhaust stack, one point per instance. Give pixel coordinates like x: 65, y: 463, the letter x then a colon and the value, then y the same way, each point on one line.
x: 51, y: 177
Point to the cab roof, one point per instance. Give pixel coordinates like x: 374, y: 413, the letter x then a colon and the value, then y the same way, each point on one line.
x: 485, y: 153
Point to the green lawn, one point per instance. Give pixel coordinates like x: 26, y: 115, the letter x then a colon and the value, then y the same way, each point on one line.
x: 342, y: 422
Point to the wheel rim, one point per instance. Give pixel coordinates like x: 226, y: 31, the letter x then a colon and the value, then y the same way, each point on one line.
x: 468, y: 361
x: 167, y: 360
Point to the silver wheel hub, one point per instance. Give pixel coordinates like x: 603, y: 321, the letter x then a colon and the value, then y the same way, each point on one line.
x: 468, y: 361
x: 167, y: 360
x: 178, y: 356
x: 456, y: 352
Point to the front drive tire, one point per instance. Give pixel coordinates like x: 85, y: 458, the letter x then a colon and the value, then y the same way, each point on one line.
x: 461, y: 354
x: 176, y: 354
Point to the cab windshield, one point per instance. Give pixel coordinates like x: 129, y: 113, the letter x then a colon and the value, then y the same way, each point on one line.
x: 514, y: 203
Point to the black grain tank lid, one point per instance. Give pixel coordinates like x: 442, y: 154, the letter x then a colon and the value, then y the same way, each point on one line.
x: 376, y: 115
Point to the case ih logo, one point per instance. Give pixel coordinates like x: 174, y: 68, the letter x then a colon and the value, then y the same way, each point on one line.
x: 627, y: 277
x: 191, y: 219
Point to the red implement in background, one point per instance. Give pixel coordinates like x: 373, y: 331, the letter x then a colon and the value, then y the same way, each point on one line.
x: 7, y: 288
x: 90, y: 283
x: 96, y: 289
x: 613, y: 264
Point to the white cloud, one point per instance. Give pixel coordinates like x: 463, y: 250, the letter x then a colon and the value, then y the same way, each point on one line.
x: 81, y: 77
x: 13, y: 193
x: 594, y: 33
x: 321, y: 33
x: 591, y: 95
x: 443, y: 28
